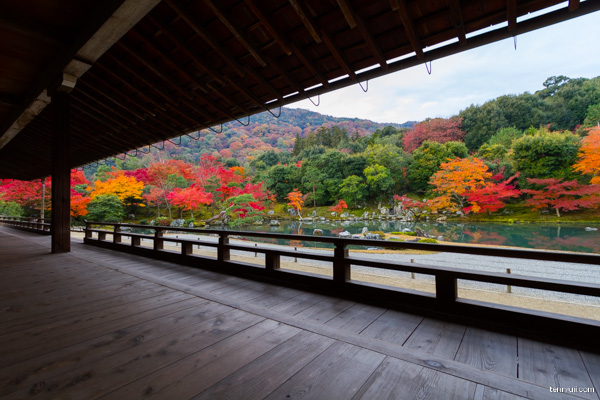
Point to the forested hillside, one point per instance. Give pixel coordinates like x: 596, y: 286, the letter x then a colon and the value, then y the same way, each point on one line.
x: 264, y: 132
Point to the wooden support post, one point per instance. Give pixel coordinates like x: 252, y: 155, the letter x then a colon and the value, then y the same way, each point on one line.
x: 135, y: 241
x: 341, y: 268
x: 223, y: 253
x: 158, y: 240
x: 61, y: 171
x: 272, y: 261
x: 508, y: 287
x: 88, y: 232
x: 101, y: 236
x: 446, y: 290
x: 116, y: 234
x: 186, y: 248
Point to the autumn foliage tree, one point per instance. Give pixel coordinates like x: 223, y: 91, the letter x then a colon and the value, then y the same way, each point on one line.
x: 127, y: 189
x: 437, y: 129
x: 589, y: 156
x: 296, y: 201
x: 339, y: 207
x: 492, y: 196
x: 456, y: 179
x: 190, y: 199
x: 562, y: 195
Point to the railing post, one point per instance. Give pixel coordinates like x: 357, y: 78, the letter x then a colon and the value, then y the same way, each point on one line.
x: 341, y: 268
x: 158, y: 241
x: 88, y: 232
x: 116, y: 234
x: 186, y: 248
x: 272, y: 261
x: 446, y: 290
x: 223, y: 253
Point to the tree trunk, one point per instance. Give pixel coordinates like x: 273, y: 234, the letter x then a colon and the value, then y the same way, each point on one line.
x: 314, y: 200
x: 557, y: 213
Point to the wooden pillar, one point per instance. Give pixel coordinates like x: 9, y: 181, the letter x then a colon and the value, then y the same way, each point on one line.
x: 61, y: 162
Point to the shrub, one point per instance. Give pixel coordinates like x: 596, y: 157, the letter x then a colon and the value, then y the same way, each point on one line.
x: 427, y: 241
x: 380, y: 233
x: 188, y: 221
x: 163, y: 221
x: 143, y: 222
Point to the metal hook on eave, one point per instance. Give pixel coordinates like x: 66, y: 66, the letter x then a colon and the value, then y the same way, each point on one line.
x: 176, y: 144
x: 318, y: 103
x: 145, y: 152
x: 361, y: 86
x: 241, y: 123
x: 163, y: 146
x: 428, y: 68
x: 221, y: 131
x: 273, y: 114
x: 193, y: 138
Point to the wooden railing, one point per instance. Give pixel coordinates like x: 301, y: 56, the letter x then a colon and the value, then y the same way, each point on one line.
x: 445, y: 300
x: 39, y: 225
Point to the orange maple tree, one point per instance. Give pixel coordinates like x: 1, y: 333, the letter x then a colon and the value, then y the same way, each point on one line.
x: 296, y: 201
x: 456, y: 178
x: 126, y: 188
x: 589, y: 156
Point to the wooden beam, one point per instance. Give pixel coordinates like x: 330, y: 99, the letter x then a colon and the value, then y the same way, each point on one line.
x: 204, y: 33
x: 181, y: 43
x: 348, y: 14
x: 338, y: 55
x: 61, y: 167
x: 283, y: 43
x: 409, y: 27
x: 306, y: 18
x: 367, y: 35
x: 511, y: 14
x: 457, y: 19
x: 223, y: 16
x: 573, y: 5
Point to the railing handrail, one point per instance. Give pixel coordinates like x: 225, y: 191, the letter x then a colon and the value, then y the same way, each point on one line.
x: 542, y: 255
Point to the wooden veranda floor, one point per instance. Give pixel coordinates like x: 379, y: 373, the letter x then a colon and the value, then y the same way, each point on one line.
x: 101, y: 324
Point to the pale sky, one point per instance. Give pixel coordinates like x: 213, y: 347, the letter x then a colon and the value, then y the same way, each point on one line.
x: 570, y: 48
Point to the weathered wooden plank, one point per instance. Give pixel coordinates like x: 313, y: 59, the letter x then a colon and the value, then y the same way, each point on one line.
x: 39, y: 348
x: 325, y: 310
x: 276, y: 297
x: 93, y: 381
x: 212, y: 364
x: 393, y: 327
x: 553, y: 366
x: 278, y: 365
x: 20, y: 339
x: 489, y: 351
x: 397, y: 379
x: 318, y: 380
x: 592, y: 365
x: 74, y: 309
x: 356, y: 318
x: 435, y: 337
x: 487, y: 393
x: 157, y: 324
x: 298, y: 304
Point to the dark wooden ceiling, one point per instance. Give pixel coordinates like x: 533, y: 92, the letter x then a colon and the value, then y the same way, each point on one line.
x: 193, y: 64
